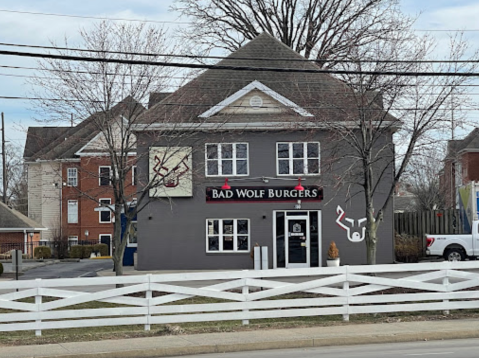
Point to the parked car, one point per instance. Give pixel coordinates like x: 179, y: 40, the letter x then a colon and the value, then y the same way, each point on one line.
x: 454, y: 247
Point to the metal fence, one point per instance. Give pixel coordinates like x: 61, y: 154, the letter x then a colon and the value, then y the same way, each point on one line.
x: 59, y: 249
x: 236, y: 295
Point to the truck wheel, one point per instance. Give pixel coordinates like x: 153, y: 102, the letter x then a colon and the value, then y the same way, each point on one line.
x: 455, y: 255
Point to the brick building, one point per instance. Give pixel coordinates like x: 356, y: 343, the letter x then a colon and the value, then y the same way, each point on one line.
x: 69, y: 171
x: 17, y: 231
x: 461, y: 166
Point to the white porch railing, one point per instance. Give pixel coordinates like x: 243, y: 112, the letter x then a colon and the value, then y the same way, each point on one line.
x: 47, y: 304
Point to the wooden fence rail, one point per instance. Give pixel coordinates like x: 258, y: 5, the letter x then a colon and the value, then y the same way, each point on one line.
x: 429, y: 222
x: 237, y: 295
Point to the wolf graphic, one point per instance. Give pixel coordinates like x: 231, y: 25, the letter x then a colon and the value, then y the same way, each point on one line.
x: 353, y: 235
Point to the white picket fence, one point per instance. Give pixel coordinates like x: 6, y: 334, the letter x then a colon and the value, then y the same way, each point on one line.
x: 239, y: 295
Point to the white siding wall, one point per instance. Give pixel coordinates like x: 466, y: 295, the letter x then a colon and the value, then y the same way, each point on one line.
x: 242, y: 105
x: 51, y: 198
x: 44, y: 193
x: 35, y: 192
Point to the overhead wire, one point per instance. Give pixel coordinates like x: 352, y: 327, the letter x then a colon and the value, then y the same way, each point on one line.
x: 235, y: 68
x: 147, y: 54
x: 175, y: 22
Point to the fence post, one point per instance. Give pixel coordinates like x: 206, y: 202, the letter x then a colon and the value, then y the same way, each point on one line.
x: 38, y: 303
x: 445, y: 282
x: 245, y: 293
x: 346, y: 293
x: 148, y: 296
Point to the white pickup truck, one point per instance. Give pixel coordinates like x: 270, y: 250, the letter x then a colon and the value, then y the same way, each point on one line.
x: 454, y: 247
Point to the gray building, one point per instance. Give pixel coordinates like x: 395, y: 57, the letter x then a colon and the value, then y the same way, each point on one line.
x: 246, y: 157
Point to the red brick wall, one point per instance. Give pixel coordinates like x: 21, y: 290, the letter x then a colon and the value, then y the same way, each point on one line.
x: 12, y: 237
x: 88, y: 186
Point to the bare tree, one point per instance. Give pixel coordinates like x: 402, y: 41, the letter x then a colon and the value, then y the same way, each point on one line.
x: 16, y: 189
x: 422, y: 175
x: 328, y: 30
x: 108, y: 97
x: 416, y: 109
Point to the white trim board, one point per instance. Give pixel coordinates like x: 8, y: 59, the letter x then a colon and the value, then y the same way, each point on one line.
x: 245, y: 90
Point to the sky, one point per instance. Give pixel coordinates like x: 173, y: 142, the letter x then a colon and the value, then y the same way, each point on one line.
x: 23, y: 28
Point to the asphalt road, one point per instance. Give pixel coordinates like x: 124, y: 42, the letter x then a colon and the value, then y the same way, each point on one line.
x: 84, y: 268
x: 467, y: 348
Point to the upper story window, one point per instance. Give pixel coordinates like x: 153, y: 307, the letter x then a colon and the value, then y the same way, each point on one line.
x: 72, y: 177
x: 226, y: 159
x: 72, y: 211
x: 298, y: 158
x: 134, y: 175
x: 104, y: 175
x: 105, y: 215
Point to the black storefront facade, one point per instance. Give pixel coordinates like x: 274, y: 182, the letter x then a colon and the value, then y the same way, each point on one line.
x: 241, y: 149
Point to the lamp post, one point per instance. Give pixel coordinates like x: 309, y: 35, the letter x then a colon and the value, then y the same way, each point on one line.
x: 30, y: 250
x: 86, y: 236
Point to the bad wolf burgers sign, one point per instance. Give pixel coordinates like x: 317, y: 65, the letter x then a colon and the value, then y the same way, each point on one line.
x: 261, y: 194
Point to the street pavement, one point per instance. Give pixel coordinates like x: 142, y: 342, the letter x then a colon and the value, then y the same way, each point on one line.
x: 463, y: 348
x: 295, y: 338
x: 48, y: 269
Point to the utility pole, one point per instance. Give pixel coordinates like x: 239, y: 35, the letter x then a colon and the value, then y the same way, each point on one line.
x: 4, y: 163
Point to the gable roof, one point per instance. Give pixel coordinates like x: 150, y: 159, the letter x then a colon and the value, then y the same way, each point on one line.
x: 469, y: 143
x: 321, y: 94
x: 247, y: 89
x: 12, y: 219
x: 40, y: 137
x: 72, y: 139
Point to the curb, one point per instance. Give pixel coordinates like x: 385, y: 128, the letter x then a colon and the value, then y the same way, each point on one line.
x: 285, y: 344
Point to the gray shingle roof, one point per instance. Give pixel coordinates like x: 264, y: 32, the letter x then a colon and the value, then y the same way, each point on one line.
x: 40, y: 137
x: 72, y: 139
x: 12, y: 219
x: 326, y: 97
x: 471, y: 141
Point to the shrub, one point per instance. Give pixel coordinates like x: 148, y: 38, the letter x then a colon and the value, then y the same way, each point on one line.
x: 101, y: 248
x: 408, y: 248
x: 1, y: 269
x: 76, y: 252
x: 333, y: 252
x: 42, y: 252
x: 86, y: 251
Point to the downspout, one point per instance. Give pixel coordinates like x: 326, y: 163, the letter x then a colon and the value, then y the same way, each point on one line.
x: 25, y: 238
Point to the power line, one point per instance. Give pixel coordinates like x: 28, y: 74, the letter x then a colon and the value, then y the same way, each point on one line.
x: 235, y: 68
x: 178, y: 22
x: 232, y: 58
x: 94, y: 17
x: 202, y: 87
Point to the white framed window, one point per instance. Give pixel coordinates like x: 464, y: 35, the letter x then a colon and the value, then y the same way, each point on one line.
x: 73, y: 211
x: 72, y: 177
x: 226, y: 159
x: 104, y: 174
x: 301, y: 158
x: 228, y: 235
x: 133, y: 237
x: 72, y: 241
x: 105, y: 214
x: 134, y: 175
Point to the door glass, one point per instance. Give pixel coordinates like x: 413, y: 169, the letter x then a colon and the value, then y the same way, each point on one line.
x: 297, y: 242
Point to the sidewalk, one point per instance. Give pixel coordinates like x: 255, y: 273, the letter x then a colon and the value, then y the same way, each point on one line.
x: 164, y: 346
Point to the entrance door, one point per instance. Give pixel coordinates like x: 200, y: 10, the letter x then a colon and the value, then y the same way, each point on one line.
x: 106, y: 239
x: 297, y: 242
